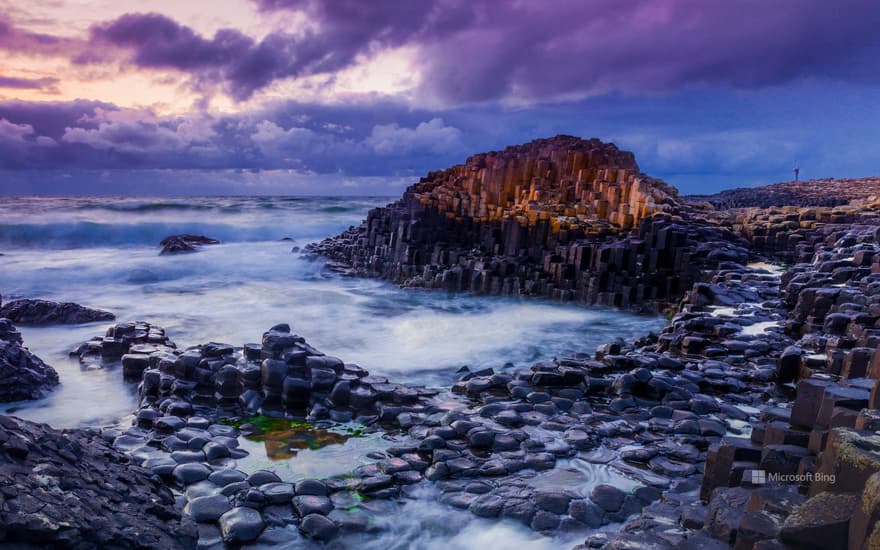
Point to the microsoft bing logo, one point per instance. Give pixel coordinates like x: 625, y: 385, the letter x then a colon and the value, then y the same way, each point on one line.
x: 759, y: 477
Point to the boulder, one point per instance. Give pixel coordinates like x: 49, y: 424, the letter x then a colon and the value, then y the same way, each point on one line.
x: 241, y: 524
x: 176, y: 244
x: 45, y: 312
x: 23, y: 375
x: 821, y: 523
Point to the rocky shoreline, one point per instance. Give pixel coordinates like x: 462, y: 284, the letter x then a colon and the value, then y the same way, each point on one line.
x: 750, y: 422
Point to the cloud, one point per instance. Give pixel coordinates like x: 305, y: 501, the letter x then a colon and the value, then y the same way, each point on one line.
x: 18, y: 40
x: 283, y: 136
x: 230, y: 60
x: 51, y: 118
x: 432, y: 137
x: 47, y: 83
x: 698, y: 140
x: 527, y: 51
x: 14, y: 133
x: 484, y: 51
x: 128, y: 137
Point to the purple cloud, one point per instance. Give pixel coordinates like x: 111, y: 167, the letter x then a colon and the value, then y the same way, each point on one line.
x: 482, y: 50
x: 230, y: 59
x: 15, y: 39
x: 48, y: 83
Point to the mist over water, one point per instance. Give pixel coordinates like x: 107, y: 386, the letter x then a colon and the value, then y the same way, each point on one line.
x: 104, y: 253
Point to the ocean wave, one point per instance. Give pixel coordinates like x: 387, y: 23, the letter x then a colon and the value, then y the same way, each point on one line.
x: 147, y: 206
x: 83, y: 234
x: 339, y: 209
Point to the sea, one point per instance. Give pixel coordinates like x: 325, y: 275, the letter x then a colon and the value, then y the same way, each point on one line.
x: 103, y: 252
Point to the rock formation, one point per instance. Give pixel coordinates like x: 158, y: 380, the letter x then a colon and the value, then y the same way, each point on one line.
x: 824, y: 192
x: 562, y: 218
x: 72, y: 489
x: 23, y: 375
x: 752, y: 421
x: 45, y: 312
x: 800, y: 348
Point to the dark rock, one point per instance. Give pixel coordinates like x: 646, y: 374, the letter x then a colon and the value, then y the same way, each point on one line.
x: 241, y: 524
x: 820, y: 522
x: 318, y: 527
x: 184, y: 243
x: 586, y: 512
x: 75, y: 479
x: 607, y: 497
x: 310, y: 487
x: 311, y: 504
x: 726, y: 510
x: 207, y: 508
x: 45, y: 312
x: 23, y: 376
x: 261, y: 477
x: 186, y: 474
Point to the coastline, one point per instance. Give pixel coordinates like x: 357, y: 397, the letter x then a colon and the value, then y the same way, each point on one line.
x: 760, y: 369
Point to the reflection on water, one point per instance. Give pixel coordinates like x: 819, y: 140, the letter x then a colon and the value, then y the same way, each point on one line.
x: 295, y: 449
x: 283, y: 438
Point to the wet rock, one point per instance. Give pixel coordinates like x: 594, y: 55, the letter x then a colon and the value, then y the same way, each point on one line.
x: 586, y: 512
x: 318, y: 527
x: 726, y: 510
x: 207, y: 508
x: 556, y: 502
x: 545, y: 521
x: 262, y: 477
x: 487, y: 506
x: 64, y: 488
x: 186, y: 474
x: 23, y: 376
x: 310, y: 504
x: 607, y: 497
x: 176, y: 244
x: 45, y: 312
x: 241, y: 524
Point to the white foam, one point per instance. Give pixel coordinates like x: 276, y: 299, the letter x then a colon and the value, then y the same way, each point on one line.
x: 759, y: 328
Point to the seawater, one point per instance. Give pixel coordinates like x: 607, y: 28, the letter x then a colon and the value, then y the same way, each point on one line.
x: 103, y: 252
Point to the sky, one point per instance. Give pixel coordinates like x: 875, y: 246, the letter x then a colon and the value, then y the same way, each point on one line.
x: 334, y: 97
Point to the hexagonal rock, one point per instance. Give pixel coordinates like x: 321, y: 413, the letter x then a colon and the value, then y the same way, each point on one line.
x: 318, y: 527
x: 207, y: 508
x: 821, y: 522
x: 241, y: 524
x: 726, y: 510
x: 866, y: 515
x: 849, y: 458
x: 310, y: 504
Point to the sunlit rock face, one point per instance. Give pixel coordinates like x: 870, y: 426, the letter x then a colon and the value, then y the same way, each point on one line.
x: 574, y: 184
x: 562, y: 218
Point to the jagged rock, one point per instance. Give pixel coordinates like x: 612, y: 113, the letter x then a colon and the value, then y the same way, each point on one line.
x: 23, y: 375
x: 184, y: 243
x: 45, y: 312
x: 64, y: 488
x: 726, y: 510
